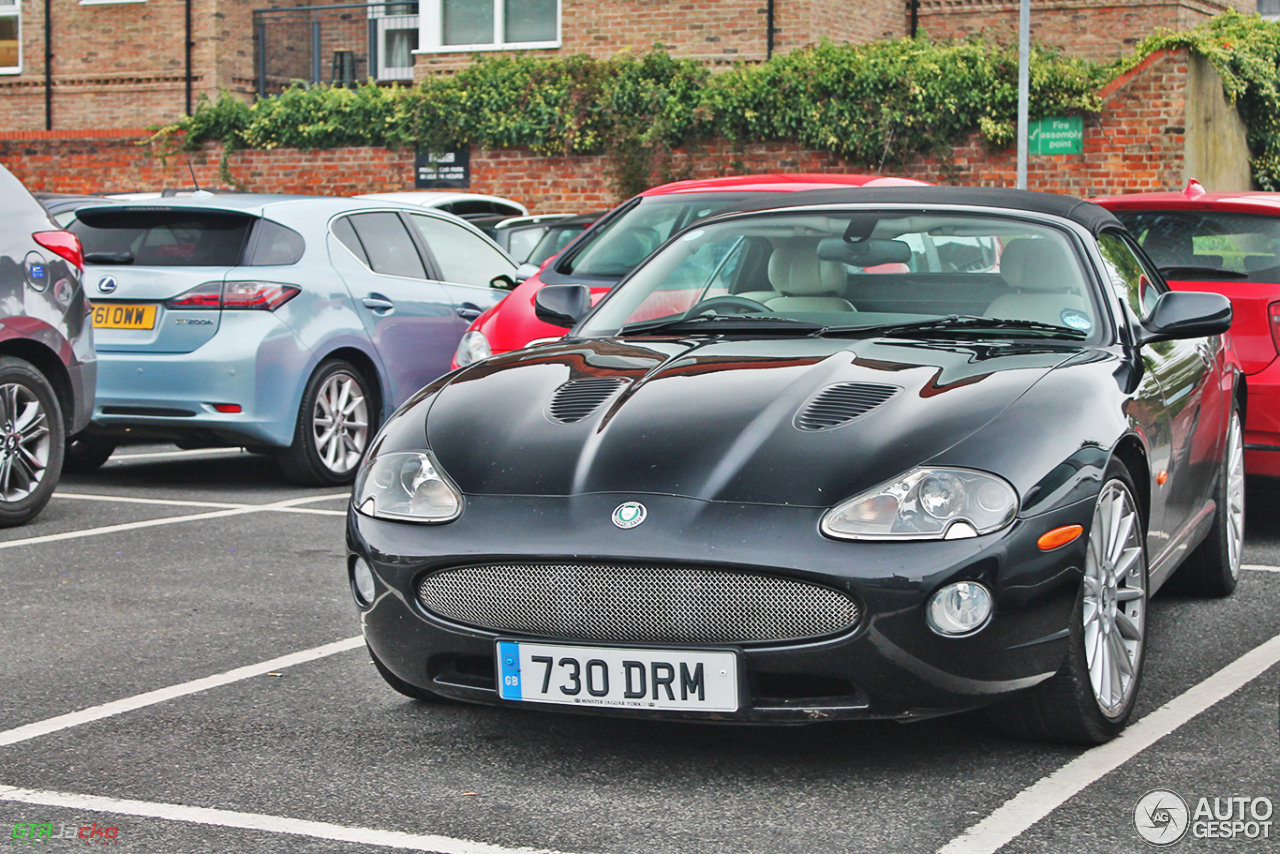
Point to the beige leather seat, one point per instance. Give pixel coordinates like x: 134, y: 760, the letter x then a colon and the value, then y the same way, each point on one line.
x: 1045, y: 280
x: 805, y: 282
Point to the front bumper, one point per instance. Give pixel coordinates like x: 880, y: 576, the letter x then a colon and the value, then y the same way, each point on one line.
x: 890, y: 666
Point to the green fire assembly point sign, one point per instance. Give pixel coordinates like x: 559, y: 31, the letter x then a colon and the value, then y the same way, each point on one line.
x: 1056, y: 135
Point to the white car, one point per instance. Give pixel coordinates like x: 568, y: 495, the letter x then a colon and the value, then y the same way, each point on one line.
x: 465, y: 205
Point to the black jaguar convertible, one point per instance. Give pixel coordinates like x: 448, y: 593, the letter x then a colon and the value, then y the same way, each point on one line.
x: 877, y: 454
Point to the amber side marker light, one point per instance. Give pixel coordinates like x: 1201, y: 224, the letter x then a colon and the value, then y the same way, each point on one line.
x: 1059, y: 537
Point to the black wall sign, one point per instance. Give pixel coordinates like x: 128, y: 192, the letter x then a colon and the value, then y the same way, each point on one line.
x: 450, y: 169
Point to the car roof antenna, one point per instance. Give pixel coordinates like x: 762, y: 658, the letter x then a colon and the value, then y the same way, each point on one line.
x: 192, y: 170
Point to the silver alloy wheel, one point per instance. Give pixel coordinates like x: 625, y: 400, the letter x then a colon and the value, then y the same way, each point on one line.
x: 340, y: 423
x: 1235, y: 493
x: 1115, y: 599
x: 25, y: 442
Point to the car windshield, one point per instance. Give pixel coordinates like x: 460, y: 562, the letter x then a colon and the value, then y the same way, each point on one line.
x: 1244, y: 246
x: 852, y: 272
x: 557, y: 237
x: 620, y: 245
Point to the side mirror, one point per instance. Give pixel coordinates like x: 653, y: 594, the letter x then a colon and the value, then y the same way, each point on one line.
x: 502, y: 282
x: 1185, y: 314
x: 562, y: 305
x: 526, y: 270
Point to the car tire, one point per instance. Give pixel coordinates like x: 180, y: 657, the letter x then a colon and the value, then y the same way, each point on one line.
x: 1080, y: 704
x: 336, y: 422
x: 401, y: 686
x: 87, y: 453
x: 32, y: 441
x: 1213, y: 569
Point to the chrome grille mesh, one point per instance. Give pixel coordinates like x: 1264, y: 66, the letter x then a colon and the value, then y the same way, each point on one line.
x: 603, y: 602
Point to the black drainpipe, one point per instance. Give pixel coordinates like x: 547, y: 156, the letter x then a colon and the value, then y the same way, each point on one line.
x: 48, y: 66
x: 915, y: 17
x: 768, y: 28
x: 189, y: 45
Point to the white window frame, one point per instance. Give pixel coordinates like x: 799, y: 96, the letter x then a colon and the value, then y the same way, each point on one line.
x: 384, y: 24
x: 431, y: 32
x: 13, y: 11
x: 108, y: 2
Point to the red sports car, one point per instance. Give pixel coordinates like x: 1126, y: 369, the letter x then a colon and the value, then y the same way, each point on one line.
x: 605, y: 253
x: 1229, y: 244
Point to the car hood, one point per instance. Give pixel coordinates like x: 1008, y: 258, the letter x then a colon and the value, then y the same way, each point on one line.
x: 721, y: 420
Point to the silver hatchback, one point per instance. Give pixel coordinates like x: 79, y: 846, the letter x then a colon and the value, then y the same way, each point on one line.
x: 287, y: 324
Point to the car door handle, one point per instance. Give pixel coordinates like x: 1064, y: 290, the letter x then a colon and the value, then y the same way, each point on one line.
x: 379, y: 304
x: 469, y: 311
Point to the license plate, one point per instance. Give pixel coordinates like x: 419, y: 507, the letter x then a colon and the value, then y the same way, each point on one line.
x: 668, y: 679
x: 123, y: 316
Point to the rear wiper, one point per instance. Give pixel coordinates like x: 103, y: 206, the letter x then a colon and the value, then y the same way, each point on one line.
x: 1189, y: 271
x: 108, y: 258
x: 721, y: 323
x: 959, y: 322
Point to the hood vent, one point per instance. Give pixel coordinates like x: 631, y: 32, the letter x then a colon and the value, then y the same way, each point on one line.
x: 577, y: 399
x: 839, y: 404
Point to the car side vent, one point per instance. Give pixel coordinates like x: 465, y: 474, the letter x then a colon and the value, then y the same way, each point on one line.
x: 840, y: 404
x: 577, y: 399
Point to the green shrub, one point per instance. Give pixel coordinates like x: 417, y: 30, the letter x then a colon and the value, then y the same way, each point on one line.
x: 876, y: 105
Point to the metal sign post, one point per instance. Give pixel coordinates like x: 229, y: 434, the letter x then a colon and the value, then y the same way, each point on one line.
x: 1024, y: 86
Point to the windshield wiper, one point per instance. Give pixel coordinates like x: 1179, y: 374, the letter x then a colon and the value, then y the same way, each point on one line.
x: 959, y: 322
x: 717, y: 324
x: 1190, y: 271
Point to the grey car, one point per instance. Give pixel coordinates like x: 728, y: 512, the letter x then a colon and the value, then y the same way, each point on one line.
x: 291, y: 325
x: 47, y: 367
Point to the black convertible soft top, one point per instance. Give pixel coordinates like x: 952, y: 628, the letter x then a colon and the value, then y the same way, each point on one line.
x: 1091, y: 216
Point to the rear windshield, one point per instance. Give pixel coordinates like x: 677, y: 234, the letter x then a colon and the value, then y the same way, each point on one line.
x: 174, y: 237
x: 1244, y: 245
x: 619, y: 247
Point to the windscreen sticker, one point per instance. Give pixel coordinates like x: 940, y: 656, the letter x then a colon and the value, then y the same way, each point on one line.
x: 1076, y: 319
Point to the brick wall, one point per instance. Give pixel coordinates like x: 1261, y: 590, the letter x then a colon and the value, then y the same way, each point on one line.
x: 1096, y: 29
x: 716, y: 31
x: 1137, y: 144
x: 124, y: 65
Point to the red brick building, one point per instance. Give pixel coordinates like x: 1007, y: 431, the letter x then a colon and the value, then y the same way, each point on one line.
x: 130, y: 63
x: 1096, y: 29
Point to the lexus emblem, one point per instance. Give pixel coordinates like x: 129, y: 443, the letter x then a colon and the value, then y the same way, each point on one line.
x: 107, y: 285
x: 629, y: 515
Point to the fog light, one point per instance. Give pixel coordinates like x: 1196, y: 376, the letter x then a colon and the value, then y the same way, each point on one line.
x: 959, y: 609
x: 362, y: 575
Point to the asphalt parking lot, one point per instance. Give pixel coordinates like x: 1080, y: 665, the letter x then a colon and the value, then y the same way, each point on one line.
x: 181, y: 671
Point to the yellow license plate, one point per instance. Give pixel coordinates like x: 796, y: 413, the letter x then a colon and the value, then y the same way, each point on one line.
x: 122, y: 316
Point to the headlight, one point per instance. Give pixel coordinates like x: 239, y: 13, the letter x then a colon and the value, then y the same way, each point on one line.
x: 407, y: 486
x: 926, y: 504
x: 472, y: 348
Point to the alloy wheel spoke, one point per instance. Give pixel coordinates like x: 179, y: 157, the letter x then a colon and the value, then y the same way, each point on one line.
x: 1127, y: 628
x: 1120, y: 655
x: 1128, y: 594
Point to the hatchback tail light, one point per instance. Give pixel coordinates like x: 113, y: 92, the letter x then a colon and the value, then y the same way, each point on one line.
x: 64, y: 244
x: 267, y: 296
x: 1273, y: 312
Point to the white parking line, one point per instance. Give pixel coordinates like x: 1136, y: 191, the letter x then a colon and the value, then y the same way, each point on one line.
x: 160, y: 695
x: 257, y: 821
x: 1259, y: 567
x: 1043, y: 797
x: 121, y: 499
x: 288, y: 506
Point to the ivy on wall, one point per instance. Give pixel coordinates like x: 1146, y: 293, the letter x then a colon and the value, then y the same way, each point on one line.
x: 877, y: 105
